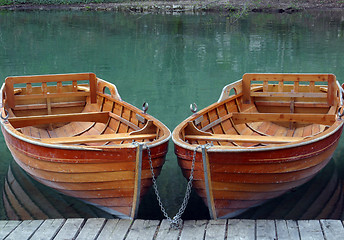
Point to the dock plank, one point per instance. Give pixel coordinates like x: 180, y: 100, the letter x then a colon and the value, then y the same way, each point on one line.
x: 193, y: 229
x: 120, y: 229
x: 287, y: 229
x: 332, y: 229
x: 143, y: 229
x: 166, y: 232
x: 91, y: 229
x: 70, y: 229
x: 310, y: 230
x: 266, y: 229
x: 115, y: 229
x: 25, y: 230
x: 241, y: 229
x: 216, y: 229
x: 48, y: 229
x: 6, y: 227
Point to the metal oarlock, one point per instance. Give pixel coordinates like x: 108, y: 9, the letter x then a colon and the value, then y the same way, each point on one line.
x: 6, y: 117
x: 340, y: 113
x: 144, y: 107
x: 193, y: 107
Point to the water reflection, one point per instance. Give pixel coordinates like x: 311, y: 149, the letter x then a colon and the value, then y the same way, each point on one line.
x: 321, y: 198
x: 24, y: 199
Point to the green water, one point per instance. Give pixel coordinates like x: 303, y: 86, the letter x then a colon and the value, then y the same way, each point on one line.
x: 171, y: 61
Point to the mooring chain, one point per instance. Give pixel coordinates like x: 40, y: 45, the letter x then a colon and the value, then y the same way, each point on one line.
x: 175, y: 222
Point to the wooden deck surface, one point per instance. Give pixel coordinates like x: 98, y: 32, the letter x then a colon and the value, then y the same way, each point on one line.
x: 99, y: 228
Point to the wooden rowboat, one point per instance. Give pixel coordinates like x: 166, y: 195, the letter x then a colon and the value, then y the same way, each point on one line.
x: 274, y: 133
x: 73, y: 133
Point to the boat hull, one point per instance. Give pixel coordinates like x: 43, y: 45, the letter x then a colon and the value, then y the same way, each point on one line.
x: 240, y: 180
x: 103, y: 178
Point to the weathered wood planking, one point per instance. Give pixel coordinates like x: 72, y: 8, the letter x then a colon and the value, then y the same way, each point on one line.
x: 101, y: 228
x: 48, y: 229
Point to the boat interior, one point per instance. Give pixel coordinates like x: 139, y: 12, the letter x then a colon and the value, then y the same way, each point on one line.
x: 267, y: 109
x: 75, y: 109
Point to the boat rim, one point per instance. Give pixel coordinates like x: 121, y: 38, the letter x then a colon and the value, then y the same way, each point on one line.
x: 330, y: 131
x: 8, y: 126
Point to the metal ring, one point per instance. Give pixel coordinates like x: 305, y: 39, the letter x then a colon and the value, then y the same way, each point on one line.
x: 6, y: 117
x: 145, y: 107
x: 340, y: 112
x: 193, y: 107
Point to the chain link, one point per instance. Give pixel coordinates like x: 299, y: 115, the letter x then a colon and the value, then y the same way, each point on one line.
x: 176, y: 222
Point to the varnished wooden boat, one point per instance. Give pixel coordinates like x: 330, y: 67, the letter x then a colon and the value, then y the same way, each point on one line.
x: 73, y: 133
x: 272, y: 134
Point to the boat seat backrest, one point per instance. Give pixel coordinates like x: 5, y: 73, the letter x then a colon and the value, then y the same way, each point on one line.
x: 320, y: 87
x: 62, y: 86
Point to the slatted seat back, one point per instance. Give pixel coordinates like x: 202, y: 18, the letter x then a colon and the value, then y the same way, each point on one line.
x: 36, y: 89
x: 304, y: 87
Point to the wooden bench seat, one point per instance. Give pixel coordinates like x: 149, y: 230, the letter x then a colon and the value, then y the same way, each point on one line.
x: 18, y: 122
x: 244, y: 138
x: 98, y: 138
x: 248, y: 117
x: 324, y: 119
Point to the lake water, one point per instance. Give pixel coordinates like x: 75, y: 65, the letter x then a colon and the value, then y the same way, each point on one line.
x: 170, y: 61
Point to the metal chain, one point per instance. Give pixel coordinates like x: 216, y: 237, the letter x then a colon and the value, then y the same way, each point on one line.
x: 176, y: 221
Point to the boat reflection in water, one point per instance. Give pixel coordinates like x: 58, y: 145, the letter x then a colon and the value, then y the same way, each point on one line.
x: 321, y: 198
x: 24, y: 199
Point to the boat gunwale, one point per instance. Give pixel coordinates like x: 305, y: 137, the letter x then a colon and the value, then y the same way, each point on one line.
x: 114, y: 97
x: 336, y: 126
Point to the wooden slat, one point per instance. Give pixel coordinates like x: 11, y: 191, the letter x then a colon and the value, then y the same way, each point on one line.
x: 310, y: 230
x: 289, y: 94
x: 296, y: 104
x: 325, y: 119
x: 48, y: 229
x: 115, y: 229
x: 265, y: 229
x: 166, y: 232
x: 193, y: 230
x: 18, y: 122
x: 49, y: 78
x: 91, y: 229
x: 216, y: 229
x: 247, y: 78
x: 25, y: 230
x: 53, y: 105
x: 143, y: 229
x: 119, y: 229
x: 51, y: 95
x: 70, y: 229
x: 332, y: 228
x: 287, y: 229
x: 44, y: 79
x: 245, y: 138
x: 6, y: 227
x: 125, y: 121
x: 97, y: 138
x: 241, y: 229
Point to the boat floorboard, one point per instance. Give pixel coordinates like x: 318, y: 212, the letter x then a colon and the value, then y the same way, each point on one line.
x: 100, y: 228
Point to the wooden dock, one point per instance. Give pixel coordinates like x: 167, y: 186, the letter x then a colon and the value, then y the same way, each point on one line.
x: 99, y: 228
